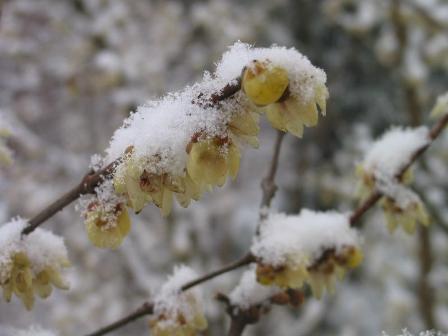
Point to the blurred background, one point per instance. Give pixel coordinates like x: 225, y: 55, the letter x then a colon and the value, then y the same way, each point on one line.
x: 72, y: 70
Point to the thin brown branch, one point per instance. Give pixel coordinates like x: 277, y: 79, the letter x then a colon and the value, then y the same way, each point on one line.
x: 147, y: 308
x: 246, y: 260
x: 87, y: 186
x: 435, y: 131
x: 92, y: 179
x: 268, y: 185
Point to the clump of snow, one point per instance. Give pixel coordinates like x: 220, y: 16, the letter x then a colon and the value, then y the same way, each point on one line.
x: 249, y: 292
x: 42, y: 247
x: 161, y: 130
x: 393, y: 151
x: 171, y: 301
x: 304, y: 236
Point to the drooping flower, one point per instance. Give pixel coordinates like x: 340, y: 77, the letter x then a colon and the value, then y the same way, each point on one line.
x: 210, y: 161
x: 176, y: 312
x: 331, y: 266
x: 105, y: 216
x: 405, y: 214
x: 292, y: 114
x: 244, y: 123
x: 30, y: 265
x: 312, y: 248
x: 107, y: 229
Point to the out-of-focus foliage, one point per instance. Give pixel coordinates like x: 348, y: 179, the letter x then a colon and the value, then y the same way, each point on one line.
x: 72, y: 70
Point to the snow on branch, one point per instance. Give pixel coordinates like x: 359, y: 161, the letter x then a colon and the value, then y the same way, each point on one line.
x: 380, y: 171
x: 188, y: 142
x: 312, y: 247
x: 178, y: 312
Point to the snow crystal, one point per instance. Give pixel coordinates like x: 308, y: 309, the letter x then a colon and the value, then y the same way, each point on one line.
x: 249, y: 292
x: 170, y: 300
x: 393, y: 150
x: 43, y: 248
x: 304, y: 236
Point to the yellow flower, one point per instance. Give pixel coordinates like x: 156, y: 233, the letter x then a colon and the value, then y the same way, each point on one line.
x: 24, y: 283
x: 210, y: 161
x: 321, y: 275
x: 244, y: 125
x: 20, y: 281
x: 331, y: 266
x: 175, y: 322
x: 288, y: 275
x: 191, y: 191
x: 407, y: 217
x: 141, y: 187
x: 292, y: 115
x: 367, y: 181
x: 107, y: 229
x: 264, y: 83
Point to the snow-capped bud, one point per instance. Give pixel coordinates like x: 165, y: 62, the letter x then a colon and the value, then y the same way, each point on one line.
x: 311, y: 248
x: 176, y: 312
x: 31, y: 264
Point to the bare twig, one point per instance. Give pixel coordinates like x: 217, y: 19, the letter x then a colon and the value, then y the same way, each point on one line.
x: 268, y: 185
x: 147, y: 308
x: 87, y: 186
x: 92, y: 179
x: 240, y: 317
x: 246, y: 260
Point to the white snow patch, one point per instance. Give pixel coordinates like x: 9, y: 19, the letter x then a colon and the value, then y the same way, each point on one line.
x: 393, y: 150
x: 304, y: 236
x: 43, y: 248
x: 249, y: 292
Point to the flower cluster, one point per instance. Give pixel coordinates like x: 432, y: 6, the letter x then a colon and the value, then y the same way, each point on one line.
x: 30, y: 265
x: 190, y: 142
x: 382, y: 169
x: 176, y: 312
x: 312, y: 248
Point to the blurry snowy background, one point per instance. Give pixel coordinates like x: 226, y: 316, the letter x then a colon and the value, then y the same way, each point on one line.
x: 72, y: 70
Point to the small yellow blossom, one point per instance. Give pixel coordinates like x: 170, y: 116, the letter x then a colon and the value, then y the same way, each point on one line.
x: 407, y: 217
x: 107, y: 229
x: 321, y: 275
x: 244, y: 125
x: 289, y: 275
x: 292, y: 115
x: 332, y: 266
x: 264, y: 83
x: 24, y: 283
x: 210, y: 161
x: 175, y: 322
